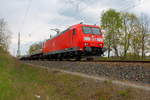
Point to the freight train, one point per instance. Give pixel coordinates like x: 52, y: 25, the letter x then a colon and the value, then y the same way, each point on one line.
x: 77, y: 41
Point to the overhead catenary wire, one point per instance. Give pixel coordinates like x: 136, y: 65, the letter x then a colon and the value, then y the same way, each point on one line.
x: 125, y: 3
x: 25, y: 15
x: 22, y: 26
x: 132, y: 6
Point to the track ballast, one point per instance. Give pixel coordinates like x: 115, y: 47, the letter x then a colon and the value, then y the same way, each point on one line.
x: 133, y: 71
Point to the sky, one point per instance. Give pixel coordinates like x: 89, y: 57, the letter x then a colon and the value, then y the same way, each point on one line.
x: 34, y: 19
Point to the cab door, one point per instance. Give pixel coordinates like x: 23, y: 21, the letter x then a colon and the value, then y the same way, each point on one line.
x: 73, y: 37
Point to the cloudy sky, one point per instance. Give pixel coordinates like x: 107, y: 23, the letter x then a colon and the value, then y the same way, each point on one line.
x: 34, y: 18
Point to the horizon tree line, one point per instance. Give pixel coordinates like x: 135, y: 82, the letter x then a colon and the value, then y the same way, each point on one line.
x: 126, y: 33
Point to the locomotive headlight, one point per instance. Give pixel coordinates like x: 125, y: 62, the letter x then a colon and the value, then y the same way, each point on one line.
x: 87, y: 38
x: 99, y: 39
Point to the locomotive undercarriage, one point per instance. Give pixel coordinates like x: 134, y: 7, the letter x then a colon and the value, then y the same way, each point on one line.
x: 77, y: 55
x: 70, y: 54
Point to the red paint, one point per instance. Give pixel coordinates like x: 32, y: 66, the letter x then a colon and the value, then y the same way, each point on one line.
x: 70, y: 40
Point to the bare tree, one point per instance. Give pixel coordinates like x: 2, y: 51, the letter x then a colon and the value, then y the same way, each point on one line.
x: 127, y: 30
x: 144, y: 27
x: 4, y: 35
x: 136, y: 40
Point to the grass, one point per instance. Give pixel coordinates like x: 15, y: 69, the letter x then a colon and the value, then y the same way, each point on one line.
x: 19, y: 81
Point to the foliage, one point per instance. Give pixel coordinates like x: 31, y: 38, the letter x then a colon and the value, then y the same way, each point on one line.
x: 144, y: 34
x: 4, y: 35
x: 129, y: 21
x: 112, y: 22
x: 126, y: 32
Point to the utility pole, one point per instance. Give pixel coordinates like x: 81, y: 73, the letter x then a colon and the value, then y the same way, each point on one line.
x: 18, y: 51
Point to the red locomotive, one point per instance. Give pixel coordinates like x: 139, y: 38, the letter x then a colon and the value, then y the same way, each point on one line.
x: 77, y: 41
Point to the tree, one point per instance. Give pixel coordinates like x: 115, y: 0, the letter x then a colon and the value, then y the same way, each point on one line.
x: 4, y: 35
x: 126, y: 33
x: 136, y: 41
x: 144, y: 26
x: 111, y: 21
x: 129, y: 23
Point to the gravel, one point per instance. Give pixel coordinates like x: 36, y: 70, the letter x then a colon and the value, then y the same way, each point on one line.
x: 121, y: 71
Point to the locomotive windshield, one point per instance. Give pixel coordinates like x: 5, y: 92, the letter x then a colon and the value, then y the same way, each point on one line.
x: 91, y: 30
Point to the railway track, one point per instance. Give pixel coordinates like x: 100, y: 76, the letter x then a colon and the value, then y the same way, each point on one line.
x: 112, y: 61
x: 99, y: 61
x: 119, y: 61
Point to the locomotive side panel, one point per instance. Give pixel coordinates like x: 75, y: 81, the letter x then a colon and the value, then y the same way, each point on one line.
x: 59, y: 43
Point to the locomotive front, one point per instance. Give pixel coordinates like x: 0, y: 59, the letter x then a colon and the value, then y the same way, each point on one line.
x: 92, y: 40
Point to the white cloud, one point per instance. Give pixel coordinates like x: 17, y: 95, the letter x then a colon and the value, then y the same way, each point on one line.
x: 143, y: 7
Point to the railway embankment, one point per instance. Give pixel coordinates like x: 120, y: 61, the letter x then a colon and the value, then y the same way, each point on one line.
x: 134, y: 72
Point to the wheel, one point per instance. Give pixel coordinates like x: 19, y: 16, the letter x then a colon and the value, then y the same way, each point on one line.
x: 78, y: 58
x: 60, y: 59
x: 89, y: 59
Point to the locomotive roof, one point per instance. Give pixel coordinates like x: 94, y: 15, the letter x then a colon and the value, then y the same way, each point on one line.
x: 74, y: 26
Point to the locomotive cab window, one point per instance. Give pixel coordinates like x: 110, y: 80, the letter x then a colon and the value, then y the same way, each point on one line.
x: 91, y: 30
x: 87, y: 30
